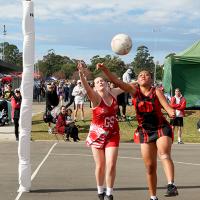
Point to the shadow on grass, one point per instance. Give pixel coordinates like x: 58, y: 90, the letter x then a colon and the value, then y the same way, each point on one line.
x: 83, y: 128
x: 39, y: 131
x: 36, y: 122
x: 189, y: 112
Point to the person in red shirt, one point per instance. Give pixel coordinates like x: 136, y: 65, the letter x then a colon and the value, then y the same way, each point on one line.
x: 103, y: 137
x: 65, y: 124
x: 178, y: 102
x: 154, y: 133
x: 16, y: 105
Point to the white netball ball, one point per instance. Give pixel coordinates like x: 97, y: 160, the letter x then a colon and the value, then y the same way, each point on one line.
x: 121, y: 44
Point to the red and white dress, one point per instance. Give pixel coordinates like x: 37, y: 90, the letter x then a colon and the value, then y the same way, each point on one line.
x: 104, y: 128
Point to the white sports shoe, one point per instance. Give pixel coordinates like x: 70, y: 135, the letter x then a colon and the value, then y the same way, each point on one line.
x: 50, y: 130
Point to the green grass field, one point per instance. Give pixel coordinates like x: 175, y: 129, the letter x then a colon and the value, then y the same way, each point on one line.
x: 190, y: 133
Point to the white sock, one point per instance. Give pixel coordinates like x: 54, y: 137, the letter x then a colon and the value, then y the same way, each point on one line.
x: 171, y: 182
x: 109, y: 191
x: 100, y: 189
x: 154, y: 198
x: 179, y: 139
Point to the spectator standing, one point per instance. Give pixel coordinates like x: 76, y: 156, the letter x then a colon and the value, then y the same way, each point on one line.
x: 60, y: 92
x: 66, y: 92
x: 178, y: 102
x: 52, y: 100
x: 16, y: 105
x: 121, y: 103
x: 71, y: 97
x: 8, y: 92
x: 126, y: 77
x: 79, y: 94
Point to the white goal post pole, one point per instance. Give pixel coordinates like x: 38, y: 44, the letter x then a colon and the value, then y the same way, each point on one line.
x: 25, y: 121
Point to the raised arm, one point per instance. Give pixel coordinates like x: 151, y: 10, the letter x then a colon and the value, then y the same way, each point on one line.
x: 92, y: 95
x: 163, y: 102
x: 131, y: 88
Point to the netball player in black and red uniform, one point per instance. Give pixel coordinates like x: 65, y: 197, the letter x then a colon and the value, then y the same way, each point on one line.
x: 103, y: 135
x: 154, y: 132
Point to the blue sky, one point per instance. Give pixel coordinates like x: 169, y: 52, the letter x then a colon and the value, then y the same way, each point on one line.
x: 84, y: 28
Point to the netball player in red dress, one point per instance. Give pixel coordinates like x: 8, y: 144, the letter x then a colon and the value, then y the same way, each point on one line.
x: 154, y: 133
x: 103, y: 135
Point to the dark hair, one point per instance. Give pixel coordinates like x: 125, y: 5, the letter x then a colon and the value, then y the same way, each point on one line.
x: 69, y: 109
x: 147, y: 70
x: 62, y: 107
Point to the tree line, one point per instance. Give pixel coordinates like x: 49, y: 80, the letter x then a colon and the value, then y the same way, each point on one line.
x: 64, y: 67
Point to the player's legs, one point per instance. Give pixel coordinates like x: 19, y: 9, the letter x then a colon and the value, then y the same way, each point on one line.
x: 164, y: 151
x: 77, y: 106
x: 111, y: 154
x: 179, y: 134
x: 82, y: 111
x: 99, y: 158
x: 149, y: 154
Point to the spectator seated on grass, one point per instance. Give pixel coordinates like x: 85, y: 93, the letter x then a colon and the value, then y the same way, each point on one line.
x: 65, y: 125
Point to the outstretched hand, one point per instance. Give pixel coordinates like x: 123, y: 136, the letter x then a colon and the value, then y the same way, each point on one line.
x: 100, y: 66
x: 81, y: 67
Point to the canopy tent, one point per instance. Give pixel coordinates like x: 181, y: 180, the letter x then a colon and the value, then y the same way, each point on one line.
x: 183, y: 71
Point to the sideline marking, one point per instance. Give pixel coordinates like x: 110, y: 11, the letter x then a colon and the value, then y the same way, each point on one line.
x: 124, y: 157
x: 38, y: 168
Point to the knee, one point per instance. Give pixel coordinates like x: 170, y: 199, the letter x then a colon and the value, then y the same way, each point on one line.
x: 100, y: 168
x: 164, y: 156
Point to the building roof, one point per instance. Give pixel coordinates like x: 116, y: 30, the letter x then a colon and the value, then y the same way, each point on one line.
x: 8, y: 67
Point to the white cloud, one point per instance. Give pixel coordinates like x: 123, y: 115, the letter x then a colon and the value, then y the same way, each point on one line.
x: 193, y: 31
x: 12, y: 37
x: 10, y: 11
x: 155, y: 11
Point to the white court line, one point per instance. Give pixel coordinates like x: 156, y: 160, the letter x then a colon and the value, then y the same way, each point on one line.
x: 123, y: 157
x: 38, y: 168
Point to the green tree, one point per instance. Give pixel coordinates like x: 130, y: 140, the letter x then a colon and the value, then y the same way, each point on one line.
x: 11, y: 53
x: 143, y: 60
x: 56, y: 64
x: 69, y: 68
x: 114, y: 64
x: 159, y: 72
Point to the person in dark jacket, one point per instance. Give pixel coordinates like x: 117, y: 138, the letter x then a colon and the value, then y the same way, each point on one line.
x: 16, y: 104
x: 52, y: 101
x: 71, y: 98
